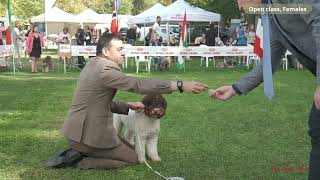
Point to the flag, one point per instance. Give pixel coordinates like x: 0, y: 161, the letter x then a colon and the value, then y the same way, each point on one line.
x: 183, y: 42
x: 263, y: 50
x: 114, y: 22
x: 258, y: 42
x: 8, y: 24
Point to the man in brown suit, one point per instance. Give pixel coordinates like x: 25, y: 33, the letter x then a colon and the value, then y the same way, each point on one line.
x: 89, y: 126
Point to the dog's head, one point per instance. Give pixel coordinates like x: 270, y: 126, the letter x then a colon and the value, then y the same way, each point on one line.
x: 155, y: 105
x: 47, y: 59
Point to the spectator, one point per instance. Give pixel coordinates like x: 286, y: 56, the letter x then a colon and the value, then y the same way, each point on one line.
x: 94, y: 36
x: 156, y: 29
x: 200, y: 40
x: 251, y: 35
x: 18, y: 40
x: 1, y: 30
x: 148, y: 38
x: 64, y: 36
x: 132, y: 35
x: 242, y: 36
x: 88, y: 36
x: 80, y: 37
x: 211, y: 36
x: 34, y: 45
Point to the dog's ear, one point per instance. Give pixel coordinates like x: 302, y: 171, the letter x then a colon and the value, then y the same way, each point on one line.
x: 163, y: 102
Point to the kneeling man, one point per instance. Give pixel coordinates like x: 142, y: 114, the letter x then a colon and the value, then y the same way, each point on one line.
x: 89, y: 127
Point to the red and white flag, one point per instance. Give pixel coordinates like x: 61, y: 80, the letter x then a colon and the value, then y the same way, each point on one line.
x: 258, y: 43
x: 8, y: 24
x: 114, y: 22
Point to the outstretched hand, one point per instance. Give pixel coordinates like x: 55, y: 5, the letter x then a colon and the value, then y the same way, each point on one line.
x: 317, y: 98
x: 223, y: 93
x: 194, y: 87
x: 136, y: 106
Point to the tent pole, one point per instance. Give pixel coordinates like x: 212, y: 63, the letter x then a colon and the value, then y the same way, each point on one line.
x: 144, y: 33
x: 219, y: 29
x: 13, y: 64
x: 168, y: 33
x: 189, y: 32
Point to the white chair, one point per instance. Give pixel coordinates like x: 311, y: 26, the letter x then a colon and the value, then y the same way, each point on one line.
x: 252, y: 59
x: 143, y: 59
x: 128, y: 47
x: 206, y: 58
x: 285, y: 60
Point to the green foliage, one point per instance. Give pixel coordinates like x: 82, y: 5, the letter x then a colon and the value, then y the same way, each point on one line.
x: 200, y: 139
x: 24, y: 9
x: 227, y: 8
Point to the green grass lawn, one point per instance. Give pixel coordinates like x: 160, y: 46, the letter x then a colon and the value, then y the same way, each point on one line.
x: 200, y: 138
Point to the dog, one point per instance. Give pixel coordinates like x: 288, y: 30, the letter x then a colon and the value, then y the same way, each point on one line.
x: 142, y: 129
x: 47, y: 64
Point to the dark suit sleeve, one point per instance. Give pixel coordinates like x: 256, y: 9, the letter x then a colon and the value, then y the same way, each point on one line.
x: 113, y: 78
x: 119, y: 107
x: 313, y: 21
x: 255, y: 77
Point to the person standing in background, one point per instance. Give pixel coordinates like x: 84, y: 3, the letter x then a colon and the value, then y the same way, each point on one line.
x: 1, y: 30
x: 34, y: 45
x: 80, y: 37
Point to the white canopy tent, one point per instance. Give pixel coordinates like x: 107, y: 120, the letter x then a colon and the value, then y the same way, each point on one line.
x: 90, y: 16
x: 55, y: 15
x: 176, y: 10
x: 175, y: 13
x: 56, y: 19
x: 147, y: 16
x: 105, y: 21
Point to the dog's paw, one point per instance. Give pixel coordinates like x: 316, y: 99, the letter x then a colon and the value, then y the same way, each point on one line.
x: 155, y: 158
x: 141, y: 160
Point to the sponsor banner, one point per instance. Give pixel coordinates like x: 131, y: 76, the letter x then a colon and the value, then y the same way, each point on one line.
x: 83, y: 50
x: 190, y: 51
x: 6, y: 50
x: 172, y: 51
x: 64, y: 50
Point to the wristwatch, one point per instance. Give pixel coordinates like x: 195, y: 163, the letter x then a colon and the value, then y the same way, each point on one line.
x: 180, y: 86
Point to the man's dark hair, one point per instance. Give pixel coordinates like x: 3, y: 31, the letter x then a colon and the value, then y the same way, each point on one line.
x: 158, y: 17
x: 104, y: 41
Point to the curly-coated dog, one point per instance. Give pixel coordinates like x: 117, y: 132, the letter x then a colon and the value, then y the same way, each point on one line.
x: 142, y: 128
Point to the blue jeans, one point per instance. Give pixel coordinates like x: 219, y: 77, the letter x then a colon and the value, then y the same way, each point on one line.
x: 131, y: 41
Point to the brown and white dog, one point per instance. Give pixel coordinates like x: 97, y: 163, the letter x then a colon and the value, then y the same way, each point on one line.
x: 142, y: 128
x: 47, y: 64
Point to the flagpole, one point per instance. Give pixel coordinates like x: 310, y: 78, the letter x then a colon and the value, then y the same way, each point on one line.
x: 14, y: 65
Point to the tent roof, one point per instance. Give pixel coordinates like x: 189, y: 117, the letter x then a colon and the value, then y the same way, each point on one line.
x: 90, y: 16
x: 176, y: 10
x: 55, y: 15
x: 148, y: 16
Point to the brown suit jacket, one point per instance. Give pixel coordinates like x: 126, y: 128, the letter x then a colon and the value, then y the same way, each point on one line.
x: 90, y: 117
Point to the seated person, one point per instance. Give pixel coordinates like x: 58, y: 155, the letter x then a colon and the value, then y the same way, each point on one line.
x: 173, y: 40
x: 64, y: 36
x: 200, y: 40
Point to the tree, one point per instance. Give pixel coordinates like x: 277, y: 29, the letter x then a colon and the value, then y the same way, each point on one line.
x: 227, y: 8
x: 20, y: 8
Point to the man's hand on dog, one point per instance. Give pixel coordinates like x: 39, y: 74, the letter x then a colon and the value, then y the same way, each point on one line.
x: 136, y: 106
x: 194, y: 87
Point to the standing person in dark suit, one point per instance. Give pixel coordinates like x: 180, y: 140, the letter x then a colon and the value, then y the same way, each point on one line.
x: 80, y: 37
x: 211, y: 35
x: 300, y: 34
x: 89, y: 127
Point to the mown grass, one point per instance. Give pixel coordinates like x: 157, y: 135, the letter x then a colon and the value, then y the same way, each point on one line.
x: 200, y: 138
